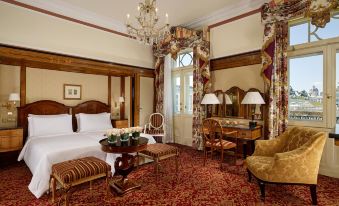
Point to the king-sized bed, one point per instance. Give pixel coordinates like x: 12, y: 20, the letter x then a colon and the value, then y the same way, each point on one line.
x: 52, y: 139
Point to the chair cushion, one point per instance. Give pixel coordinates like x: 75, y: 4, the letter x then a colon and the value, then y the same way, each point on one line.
x: 260, y: 166
x: 155, y: 132
x: 157, y: 150
x: 225, y: 144
x: 73, y: 170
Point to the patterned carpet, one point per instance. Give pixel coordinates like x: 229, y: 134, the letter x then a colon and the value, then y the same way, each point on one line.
x: 195, y: 185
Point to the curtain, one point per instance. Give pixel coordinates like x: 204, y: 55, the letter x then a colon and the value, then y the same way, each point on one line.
x: 168, y: 100
x: 275, y: 72
x: 159, y: 85
x: 201, y: 85
x: 180, y: 39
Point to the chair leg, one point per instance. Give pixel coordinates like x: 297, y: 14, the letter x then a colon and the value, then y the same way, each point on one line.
x: 205, y: 156
x: 249, y: 175
x: 313, y: 189
x: 262, y: 189
x: 53, y: 185
x: 222, y: 158
x: 156, y: 168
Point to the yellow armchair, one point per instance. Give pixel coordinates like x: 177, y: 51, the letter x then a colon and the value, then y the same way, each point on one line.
x: 291, y: 158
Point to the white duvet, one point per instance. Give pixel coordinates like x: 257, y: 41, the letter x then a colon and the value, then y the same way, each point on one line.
x: 40, y: 153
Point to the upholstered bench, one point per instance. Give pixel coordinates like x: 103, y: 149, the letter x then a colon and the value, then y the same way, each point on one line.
x: 78, y: 171
x: 158, y: 152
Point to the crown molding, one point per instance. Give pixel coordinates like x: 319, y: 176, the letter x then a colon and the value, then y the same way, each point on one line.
x: 241, y: 7
x: 67, y: 9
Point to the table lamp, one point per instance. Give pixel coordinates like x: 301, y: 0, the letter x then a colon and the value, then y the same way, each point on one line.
x: 253, y: 98
x: 210, y: 98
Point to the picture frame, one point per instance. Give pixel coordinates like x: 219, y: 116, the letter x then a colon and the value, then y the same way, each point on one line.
x: 72, y: 92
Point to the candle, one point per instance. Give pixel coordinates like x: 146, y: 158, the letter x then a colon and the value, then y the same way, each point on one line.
x: 166, y: 18
x: 138, y: 8
x: 156, y: 10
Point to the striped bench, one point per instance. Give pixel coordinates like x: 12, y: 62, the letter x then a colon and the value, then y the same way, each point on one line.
x: 158, y: 152
x: 78, y: 171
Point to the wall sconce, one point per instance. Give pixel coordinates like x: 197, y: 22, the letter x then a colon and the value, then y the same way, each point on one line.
x: 13, y: 98
x: 121, y: 99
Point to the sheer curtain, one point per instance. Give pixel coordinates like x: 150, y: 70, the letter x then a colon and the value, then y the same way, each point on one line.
x: 168, y: 99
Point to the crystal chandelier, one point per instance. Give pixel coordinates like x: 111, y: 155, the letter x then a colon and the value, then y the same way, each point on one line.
x: 147, y: 32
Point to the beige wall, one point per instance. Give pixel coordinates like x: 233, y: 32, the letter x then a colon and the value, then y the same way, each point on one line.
x: 26, y: 28
x: 236, y: 37
x: 115, y: 94
x: 48, y: 84
x: 9, y: 83
x: 146, y: 99
x: 243, y: 77
x: 127, y: 99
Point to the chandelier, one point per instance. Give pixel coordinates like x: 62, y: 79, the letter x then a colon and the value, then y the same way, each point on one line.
x: 147, y: 32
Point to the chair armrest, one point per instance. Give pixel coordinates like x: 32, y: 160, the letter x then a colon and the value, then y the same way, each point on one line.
x: 267, y: 147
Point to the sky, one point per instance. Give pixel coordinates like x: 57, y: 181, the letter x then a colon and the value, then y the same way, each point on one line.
x: 308, y: 70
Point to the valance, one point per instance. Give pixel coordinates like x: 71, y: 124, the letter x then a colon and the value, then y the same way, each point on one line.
x: 283, y: 10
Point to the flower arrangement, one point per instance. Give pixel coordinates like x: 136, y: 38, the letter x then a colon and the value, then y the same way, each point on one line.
x: 114, y: 134
x: 136, y: 132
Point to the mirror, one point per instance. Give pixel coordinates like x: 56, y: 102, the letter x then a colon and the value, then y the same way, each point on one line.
x: 236, y: 109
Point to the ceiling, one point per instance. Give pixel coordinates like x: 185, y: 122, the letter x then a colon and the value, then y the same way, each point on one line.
x: 112, y: 13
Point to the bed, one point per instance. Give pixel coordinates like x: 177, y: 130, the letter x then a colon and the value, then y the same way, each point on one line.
x: 41, y: 152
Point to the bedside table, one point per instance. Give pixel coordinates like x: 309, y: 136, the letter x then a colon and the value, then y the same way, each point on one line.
x: 11, y: 139
x: 120, y: 123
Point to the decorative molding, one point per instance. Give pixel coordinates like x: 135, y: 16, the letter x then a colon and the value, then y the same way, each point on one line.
x: 87, y: 18
x: 45, y: 60
x: 238, y: 60
x: 241, y: 7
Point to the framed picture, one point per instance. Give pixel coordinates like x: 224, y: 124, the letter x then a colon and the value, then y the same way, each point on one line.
x: 72, y: 91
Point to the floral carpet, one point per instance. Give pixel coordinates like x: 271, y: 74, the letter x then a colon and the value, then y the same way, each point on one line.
x: 195, y: 185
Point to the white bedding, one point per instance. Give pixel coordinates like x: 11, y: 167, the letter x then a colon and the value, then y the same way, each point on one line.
x: 40, y: 153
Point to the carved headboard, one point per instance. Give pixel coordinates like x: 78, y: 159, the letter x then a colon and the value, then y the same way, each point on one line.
x: 43, y: 107
x: 89, y: 107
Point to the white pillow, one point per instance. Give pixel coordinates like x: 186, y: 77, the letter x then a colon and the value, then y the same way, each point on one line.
x: 94, y: 122
x: 42, y: 125
x: 30, y: 123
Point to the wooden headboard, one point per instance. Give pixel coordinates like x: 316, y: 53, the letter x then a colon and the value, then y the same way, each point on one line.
x: 89, y: 107
x: 43, y: 107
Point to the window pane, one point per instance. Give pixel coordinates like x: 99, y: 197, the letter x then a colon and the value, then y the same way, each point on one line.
x: 331, y: 30
x: 184, y: 59
x: 306, y: 88
x: 176, y: 96
x: 337, y: 88
x: 189, y: 93
x: 299, y: 34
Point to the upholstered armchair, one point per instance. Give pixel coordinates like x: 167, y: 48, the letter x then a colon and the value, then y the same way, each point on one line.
x: 291, y: 158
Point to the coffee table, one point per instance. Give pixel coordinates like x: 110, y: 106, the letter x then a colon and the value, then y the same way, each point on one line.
x: 125, y: 164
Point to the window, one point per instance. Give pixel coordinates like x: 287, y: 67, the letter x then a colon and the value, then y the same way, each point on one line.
x: 314, y: 74
x: 184, y: 59
x: 306, y: 94
x: 182, y: 82
x: 304, y: 32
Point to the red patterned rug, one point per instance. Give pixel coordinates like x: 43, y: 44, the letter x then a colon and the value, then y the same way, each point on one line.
x: 195, y: 185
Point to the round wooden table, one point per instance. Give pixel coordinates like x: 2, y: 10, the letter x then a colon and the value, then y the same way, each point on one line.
x: 125, y: 164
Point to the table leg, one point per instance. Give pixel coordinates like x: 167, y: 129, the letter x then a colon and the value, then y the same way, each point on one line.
x: 123, y: 166
x: 244, y: 149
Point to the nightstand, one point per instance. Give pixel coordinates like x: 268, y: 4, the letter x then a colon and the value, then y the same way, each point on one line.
x: 120, y: 123
x: 11, y: 139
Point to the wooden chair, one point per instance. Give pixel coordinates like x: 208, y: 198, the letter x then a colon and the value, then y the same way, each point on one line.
x: 156, y: 126
x: 213, y: 139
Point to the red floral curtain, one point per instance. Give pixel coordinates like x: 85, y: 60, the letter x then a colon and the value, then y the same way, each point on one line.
x: 179, y: 39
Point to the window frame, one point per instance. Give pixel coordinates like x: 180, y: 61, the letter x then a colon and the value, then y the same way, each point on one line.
x: 182, y: 72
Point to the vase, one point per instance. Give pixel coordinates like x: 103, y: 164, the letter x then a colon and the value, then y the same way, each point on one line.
x: 124, y: 137
x: 112, y: 139
x: 135, y: 135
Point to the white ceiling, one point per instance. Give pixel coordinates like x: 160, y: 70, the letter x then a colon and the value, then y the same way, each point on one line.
x: 112, y: 13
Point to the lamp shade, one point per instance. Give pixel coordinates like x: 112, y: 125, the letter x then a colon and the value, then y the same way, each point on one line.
x: 121, y: 99
x: 253, y: 98
x: 228, y: 99
x: 14, y: 97
x: 210, y: 98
